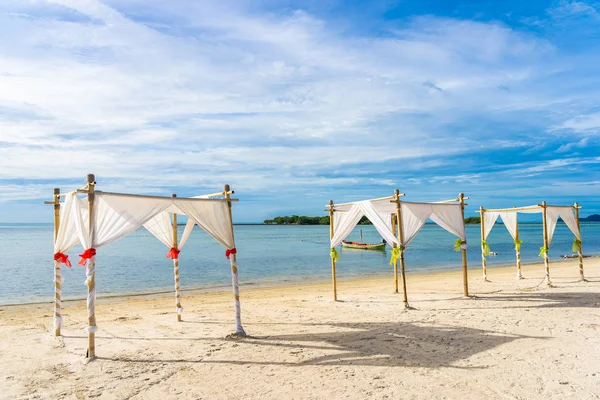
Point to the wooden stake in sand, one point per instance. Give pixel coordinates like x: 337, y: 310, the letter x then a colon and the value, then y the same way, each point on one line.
x: 545, y: 249
x: 579, y: 250
x: 461, y: 199
x: 239, y: 330
x: 176, y: 268
x: 401, y: 240
x: 483, y: 260
x: 57, y: 274
x: 91, y: 184
x: 331, y: 230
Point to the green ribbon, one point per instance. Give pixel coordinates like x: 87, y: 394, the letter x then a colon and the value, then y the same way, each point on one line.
x: 458, y: 244
x: 518, y: 244
x: 485, y: 247
x: 334, y: 254
x: 395, y: 255
x: 576, y: 245
x: 543, y: 251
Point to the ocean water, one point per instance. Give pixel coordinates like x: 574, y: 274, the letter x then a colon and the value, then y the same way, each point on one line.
x: 266, y: 255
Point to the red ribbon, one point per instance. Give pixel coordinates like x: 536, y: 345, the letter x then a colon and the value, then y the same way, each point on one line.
x: 62, y: 258
x: 173, y: 254
x: 87, y: 254
x: 229, y: 252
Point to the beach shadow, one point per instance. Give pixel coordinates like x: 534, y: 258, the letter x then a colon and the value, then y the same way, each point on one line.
x: 363, y: 344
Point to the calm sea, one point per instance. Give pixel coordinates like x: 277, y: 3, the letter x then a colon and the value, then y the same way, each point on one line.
x: 266, y: 254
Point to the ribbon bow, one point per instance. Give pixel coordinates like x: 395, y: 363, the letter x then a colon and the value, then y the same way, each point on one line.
x: 459, y: 244
x: 334, y: 254
x: 173, y: 254
x: 62, y: 258
x: 485, y: 247
x: 576, y: 245
x: 87, y: 254
x: 518, y: 244
x: 395, y: 255
x: 229, y: 252
x: 543, y: 251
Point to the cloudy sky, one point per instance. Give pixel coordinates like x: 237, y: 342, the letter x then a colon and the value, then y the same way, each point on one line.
x: 296, y: 102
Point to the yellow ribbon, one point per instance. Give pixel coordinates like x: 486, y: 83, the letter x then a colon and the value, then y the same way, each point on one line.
x: 576, y: 245
x: 458, y: 244
x: 543, y: 251
x: 395, y: 255
x: 485, y: 247
x: 518, y: 244
x: 334, y: 254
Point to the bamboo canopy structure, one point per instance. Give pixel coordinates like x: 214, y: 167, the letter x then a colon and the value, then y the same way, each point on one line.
x: 550, y: 215
x: 398, y: 222
x: 101, y: 218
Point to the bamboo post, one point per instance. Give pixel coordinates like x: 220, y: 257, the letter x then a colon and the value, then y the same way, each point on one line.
x: 396, y: 261
x: 579, y: 249
x: 331, y: 231
x: 57, y: 272
x: 518, y: 250
x: 483, y: 259
x: 401, y: 240
x: 91, y: 184
x: 176, y: 267
x: 234, y: 270
x: 461, y: 198
x: 546, y: 262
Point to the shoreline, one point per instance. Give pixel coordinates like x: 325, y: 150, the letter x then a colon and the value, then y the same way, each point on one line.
x: 224, y: 288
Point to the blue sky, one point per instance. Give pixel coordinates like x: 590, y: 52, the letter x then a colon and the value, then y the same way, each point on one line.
x: 297, y: 102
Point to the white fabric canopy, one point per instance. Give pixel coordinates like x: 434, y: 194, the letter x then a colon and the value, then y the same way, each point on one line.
x: 414, y: 217
x: 343, y: 223
x: 510, y: 222
x: 489, y: 219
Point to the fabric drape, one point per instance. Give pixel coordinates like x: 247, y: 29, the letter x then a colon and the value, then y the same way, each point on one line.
x: 381, y: 224
x: 450, y: 217
x: 489, y: 220
x: 414, y: 217
x: 344, y: 222
x: 510, y: 222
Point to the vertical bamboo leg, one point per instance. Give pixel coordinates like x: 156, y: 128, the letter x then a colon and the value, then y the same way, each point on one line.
x: 91, y: 353
x: 396, y: 261
x: 331, y: 230
x: 235, y: 283
x: 518, y: 252
x: 176, y: 268
x: 579, y: 250
x: 57, y: 272
x: 461, y: 198
x: 400, y: 233
x: 483, y: 259
x: 546, y: 261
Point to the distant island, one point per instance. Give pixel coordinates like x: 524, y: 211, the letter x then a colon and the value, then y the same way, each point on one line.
x: 592, y: 218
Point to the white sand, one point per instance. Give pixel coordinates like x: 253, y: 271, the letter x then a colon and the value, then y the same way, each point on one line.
x: 510, y: 341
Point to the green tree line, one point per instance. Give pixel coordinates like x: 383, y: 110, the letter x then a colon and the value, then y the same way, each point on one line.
x: 304, y: 220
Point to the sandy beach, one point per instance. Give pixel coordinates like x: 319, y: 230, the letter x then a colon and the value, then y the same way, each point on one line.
x: 510, y: 340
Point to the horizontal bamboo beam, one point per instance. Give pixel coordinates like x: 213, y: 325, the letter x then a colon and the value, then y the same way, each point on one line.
x: 352, y: 202
x: 155, y: 197
x: 511, y: 209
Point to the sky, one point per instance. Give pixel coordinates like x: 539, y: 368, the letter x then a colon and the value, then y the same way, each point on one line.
x: 294, y: 103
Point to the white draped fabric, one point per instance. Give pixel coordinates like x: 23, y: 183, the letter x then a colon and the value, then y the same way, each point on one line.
x: 161, y: 227
x: 489, y: 219
x: 212, y: 216
x: 66, y: 239
x: 510, y: 222
x: 382, y: 224
x: 343, y: 223
x: 414, y: 217
x: 450, y: 217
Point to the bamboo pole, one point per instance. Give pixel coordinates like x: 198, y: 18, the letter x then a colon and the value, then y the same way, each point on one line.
x: 331, y: 231
x: 401, y: 240
x: 396, y: 261
x: 513, y: 209
x: 377, y: 199
x: 518, y: 251
x: 579, y: 249
x: 546, y: 262
x: 176, y: 267
x: 91, y: 185
x: 461, y: 198
x: 483, y: 259
x: 234, y: 270
x: 57, y: 274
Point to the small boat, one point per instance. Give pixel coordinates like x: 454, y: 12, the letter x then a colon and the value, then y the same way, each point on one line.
x: 363, y: 246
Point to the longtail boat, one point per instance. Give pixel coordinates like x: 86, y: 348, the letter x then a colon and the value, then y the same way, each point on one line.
x: 363, y: 246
